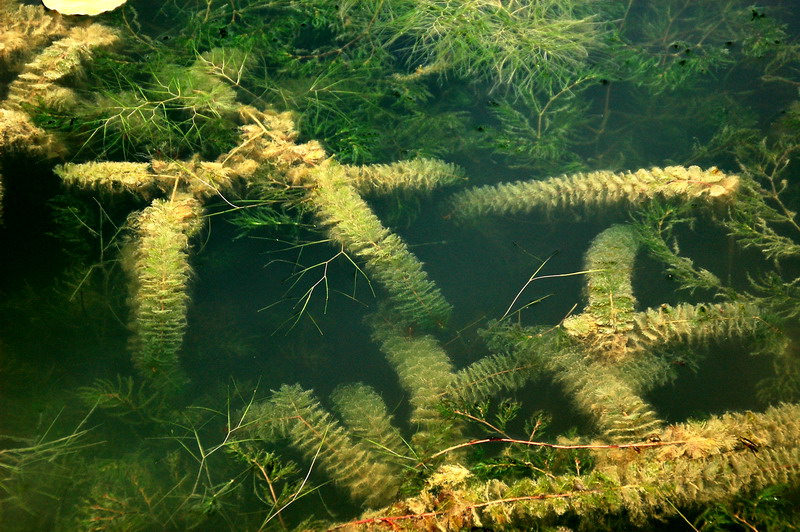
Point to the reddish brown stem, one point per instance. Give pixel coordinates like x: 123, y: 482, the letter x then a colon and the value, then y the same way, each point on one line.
x: 635, y: 446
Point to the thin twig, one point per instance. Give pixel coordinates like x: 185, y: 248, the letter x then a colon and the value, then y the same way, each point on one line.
x: 634, y: 446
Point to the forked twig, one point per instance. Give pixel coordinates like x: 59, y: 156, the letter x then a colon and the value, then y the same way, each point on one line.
x: 299, y: 491
x: 535, y: 276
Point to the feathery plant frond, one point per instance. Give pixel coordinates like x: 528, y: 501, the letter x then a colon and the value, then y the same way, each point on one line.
x: 425, y: 371
x: 157, y: 263
x: 15, y: 458
x: 278, y: 487
x: 296, y: 414
x: 709, y: 463
x: 172, y: 112
x: 401, y: 186
x: 765, y: 216
x: 784, y: 386
x: 655, y: 230
x: 586, y: 194
x: 616, y: 407
x: 609, y: 289
x: 516, y: 45
x: 364, y: 413
x: 349, y: 221
x: 755, y: 225
x: 675, y: 45
x: 125, y: 399
x: 781, y: 297
x: 30, y: 467
x: 112, y: 176
x: 699, y: 324
x: 303, y: 303
x: 537, y: 131
x: 91, y: 240
x: 128, y: 494
x: 597, y: 387
x: 27, y: 27
x: 698, y: 462
x: 36, y: 87
x: 37, y: 83
x: 607, y: 319
x: 269, y: 211
x: 714, y: 463
x: 768, y: 509
x: 490, y: 376
x: 414, y: 175
x: 762, y: 219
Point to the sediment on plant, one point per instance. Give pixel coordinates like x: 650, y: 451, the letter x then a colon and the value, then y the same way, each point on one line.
x: 712, y: 461
x: 416, y: 175
x: 593, y: 193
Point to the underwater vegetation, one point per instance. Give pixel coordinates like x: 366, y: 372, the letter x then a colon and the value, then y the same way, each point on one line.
x: 404, y: 166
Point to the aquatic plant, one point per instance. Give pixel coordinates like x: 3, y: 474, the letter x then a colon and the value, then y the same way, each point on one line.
x: 355, y: 464
x: 586, y: 194
x: 156, y: 259
x: 167, y: 111
x: 485, y: 40
x: 268, y: 149
x: 606, y: 357
x: 37, y: 84
x: 619, y: 353
x: 209, y: 125
x: 25, y: 29
x: 34, y: 469
x: 693, y: 463
x: 38, y: 79
x: 351, y: 222
x: 424, y: 370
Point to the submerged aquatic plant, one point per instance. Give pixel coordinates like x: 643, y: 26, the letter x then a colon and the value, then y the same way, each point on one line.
x: 157, y: 262
x: 203, y: 118
x: 515, y: 45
